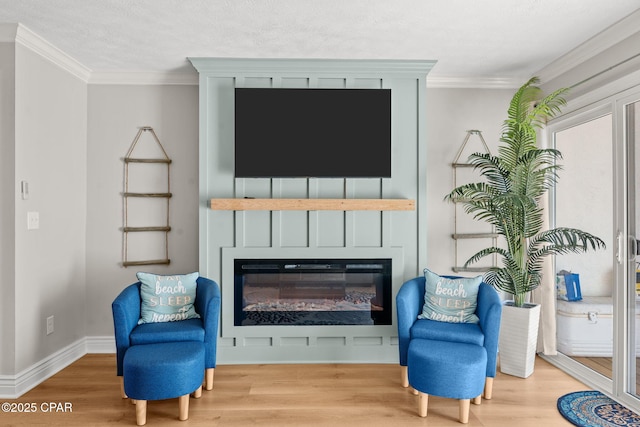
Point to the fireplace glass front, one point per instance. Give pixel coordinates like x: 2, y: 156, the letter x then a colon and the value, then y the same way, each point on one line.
x: 312, y: 292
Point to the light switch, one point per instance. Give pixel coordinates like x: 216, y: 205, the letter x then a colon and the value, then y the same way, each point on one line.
x: 24, y: 189
x: 33, y: 220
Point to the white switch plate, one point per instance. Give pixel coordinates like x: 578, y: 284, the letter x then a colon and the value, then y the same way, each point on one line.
x: 24, y: 189
x: 50, y: 327
x: 33, y: 220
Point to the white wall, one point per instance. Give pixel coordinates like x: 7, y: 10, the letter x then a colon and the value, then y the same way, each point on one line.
x: 450, y: 113
x: 115, y: 114
x: 7, y: 215
x: 50, y: 154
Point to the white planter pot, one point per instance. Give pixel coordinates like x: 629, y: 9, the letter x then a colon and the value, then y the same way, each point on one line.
x: 518, y: 339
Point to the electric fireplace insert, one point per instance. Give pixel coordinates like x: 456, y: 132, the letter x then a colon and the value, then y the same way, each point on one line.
x: 312, y: 292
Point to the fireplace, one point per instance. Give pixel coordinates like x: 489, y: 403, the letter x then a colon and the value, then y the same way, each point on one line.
x: 308, y: 292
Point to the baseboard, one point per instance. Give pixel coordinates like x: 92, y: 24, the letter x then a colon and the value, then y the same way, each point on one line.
x: 103, y: 345
x: 14, y: 386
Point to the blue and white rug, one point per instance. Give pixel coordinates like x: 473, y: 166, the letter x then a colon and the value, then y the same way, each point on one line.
x: 594, y: 409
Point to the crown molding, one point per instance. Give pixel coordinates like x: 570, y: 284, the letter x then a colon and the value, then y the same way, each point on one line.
x: 291, y: 67
x: 143, y: 78
x: 444, y: 82
x: 616, y: 33
x: 37, y: 44
x: 187, y: 78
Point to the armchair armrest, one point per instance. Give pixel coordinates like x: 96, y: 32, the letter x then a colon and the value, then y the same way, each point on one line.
x: 207, y: 305
x: 409, y: 301
x: 126, y: 313
x: 489, y: 312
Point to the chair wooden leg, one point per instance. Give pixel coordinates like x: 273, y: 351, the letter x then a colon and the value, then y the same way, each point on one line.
x: 423, y: 402
x: 122, y: 393
x: 464, y: 410
x: 198, y: 393
x: 208, y: 382
x: 488, y: 388
x: 141, y: 412
x: 183, y: 404
x: 477, y: 400
x: 404, y: 376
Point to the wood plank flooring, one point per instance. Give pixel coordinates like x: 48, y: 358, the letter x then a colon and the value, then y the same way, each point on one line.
x: 602, y: 365
x: 291, y: 395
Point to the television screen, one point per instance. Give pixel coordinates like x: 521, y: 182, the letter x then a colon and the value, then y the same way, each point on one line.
x: 286, y: 133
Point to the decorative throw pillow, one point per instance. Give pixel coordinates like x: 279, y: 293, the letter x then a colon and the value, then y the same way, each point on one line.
x: 167, y: 298
x: 450, y: 300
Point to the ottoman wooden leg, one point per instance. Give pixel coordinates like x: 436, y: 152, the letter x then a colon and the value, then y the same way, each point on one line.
x: 477, y: 400
x: 183, y: 404
x: 141, y: 412
x: 423, y: 402
x: 198, y: 393
x: 209, y: 378
x: 464, y: 410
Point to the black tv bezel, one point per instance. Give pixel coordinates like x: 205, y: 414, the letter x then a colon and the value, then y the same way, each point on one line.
x: 379, y: 167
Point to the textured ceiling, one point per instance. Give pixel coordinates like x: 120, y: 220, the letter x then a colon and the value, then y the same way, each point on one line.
x: 469, y: 38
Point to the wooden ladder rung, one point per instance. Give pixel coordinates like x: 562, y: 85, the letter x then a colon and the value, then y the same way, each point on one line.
x: 137, y: 229
x: 130, y: 160
x: 165, y: 195
x: 470, y: 269
x: 148, y: 262
x: 474, y: 235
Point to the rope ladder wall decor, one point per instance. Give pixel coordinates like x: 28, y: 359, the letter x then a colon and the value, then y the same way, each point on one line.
x: 462, y: 236
x: 146, y: 202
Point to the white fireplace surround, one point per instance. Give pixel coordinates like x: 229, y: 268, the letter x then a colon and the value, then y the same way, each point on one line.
x: 269, y: 232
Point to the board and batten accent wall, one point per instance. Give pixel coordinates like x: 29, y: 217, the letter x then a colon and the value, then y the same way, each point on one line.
x: 227, y: 234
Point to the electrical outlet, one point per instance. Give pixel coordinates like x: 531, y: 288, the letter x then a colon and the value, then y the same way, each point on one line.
x: 33, y: 220
x: 49, y: 325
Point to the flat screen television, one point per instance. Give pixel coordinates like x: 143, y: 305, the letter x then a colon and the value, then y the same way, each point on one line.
x: 292, y: 133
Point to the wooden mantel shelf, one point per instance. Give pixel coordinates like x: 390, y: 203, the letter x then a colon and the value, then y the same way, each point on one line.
x: 248, y: 204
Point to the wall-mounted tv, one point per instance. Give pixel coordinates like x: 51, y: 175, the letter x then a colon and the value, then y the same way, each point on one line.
x: 287, y: 133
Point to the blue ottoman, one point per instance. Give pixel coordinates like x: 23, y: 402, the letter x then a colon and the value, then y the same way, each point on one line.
x: 163, y: 371
x: 447, y: 369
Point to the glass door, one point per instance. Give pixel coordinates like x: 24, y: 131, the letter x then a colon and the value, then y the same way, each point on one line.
x: 598, y: 338
x: 584, y: 200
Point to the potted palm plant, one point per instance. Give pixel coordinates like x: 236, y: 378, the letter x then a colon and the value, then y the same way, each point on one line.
x: 509, y: 198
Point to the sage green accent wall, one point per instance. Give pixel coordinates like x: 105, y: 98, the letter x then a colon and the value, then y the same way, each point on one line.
x: 225, y: 235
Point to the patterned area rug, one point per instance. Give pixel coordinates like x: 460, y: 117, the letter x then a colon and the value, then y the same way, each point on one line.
x: 594, y: 409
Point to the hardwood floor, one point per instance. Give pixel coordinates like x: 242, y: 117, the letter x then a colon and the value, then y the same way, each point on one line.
x: 290, y: 395
x: 602, y: 365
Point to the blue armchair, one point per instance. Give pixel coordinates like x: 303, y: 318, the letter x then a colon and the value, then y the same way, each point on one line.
x: 126, y: 313
x: 409, y: 302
